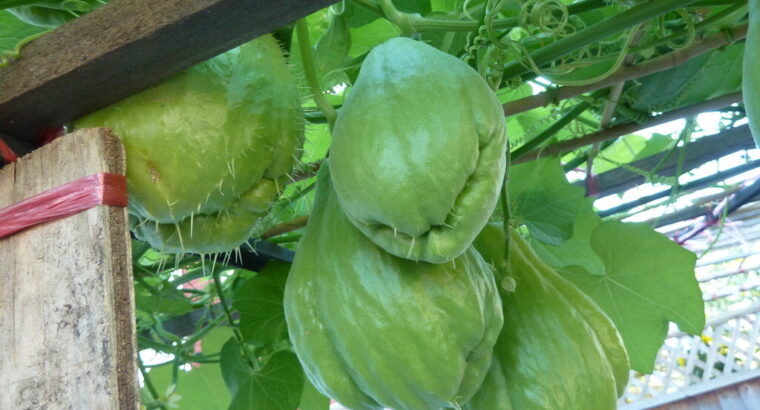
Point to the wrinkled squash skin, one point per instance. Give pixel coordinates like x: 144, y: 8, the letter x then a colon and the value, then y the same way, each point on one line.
x: 373, y: 330
x: 751, y: 71
x: 208, y: 148
x: 557, y: 350
x: 419, y: 151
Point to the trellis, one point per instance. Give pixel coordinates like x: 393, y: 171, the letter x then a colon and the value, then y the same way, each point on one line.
x: 727, y: 352
x: 49, y: 87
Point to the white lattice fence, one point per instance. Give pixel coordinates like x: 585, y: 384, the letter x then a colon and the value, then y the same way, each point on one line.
x: 728, y: 351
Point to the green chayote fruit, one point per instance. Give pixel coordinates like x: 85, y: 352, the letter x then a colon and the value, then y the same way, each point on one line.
x: 751, y: 71
x: 557, y: 350
x: 419, y: 151
x: 207, y: 149
x: 373, y: 330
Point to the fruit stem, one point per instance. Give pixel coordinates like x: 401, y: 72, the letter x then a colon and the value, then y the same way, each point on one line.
x: 307, y: 60
x: 402, y: 20
x: 228, y: 315
x: 149, y: 384
x: 504, y: 200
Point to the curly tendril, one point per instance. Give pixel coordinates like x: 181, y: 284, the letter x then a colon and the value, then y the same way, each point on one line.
x: 549, y: 16
x: 690, y: 31
x: 466, y: 13
x: 492, y: 66
x: 76, y: 6
x: 632, y: 114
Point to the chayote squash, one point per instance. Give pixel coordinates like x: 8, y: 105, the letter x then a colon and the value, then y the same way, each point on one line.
x: 751, y: 71
x: 207, y: 148
x: 419, y: 151
x: 373, y: 330
x: 557, y: 350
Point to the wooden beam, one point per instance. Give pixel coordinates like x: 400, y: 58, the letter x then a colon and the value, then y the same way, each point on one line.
x: 67, y: 324
x: 123, y: 48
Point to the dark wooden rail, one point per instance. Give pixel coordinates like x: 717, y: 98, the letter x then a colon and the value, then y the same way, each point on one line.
x: 125, y: 47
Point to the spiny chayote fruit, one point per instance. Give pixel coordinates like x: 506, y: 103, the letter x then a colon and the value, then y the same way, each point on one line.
x: 557, y: 349
x: 373, y: 330
x: 419, y: 151
x: 208, y: 148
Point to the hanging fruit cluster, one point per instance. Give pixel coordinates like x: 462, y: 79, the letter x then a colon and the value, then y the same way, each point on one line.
x: 389, y: 303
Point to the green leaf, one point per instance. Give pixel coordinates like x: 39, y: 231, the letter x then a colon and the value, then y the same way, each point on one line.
x: 576, y: 251
x: 277, y: 385
x: 259, y: 301
x: 421, y: 7
x: 369, y: 35
x: 543, y: 200
x: 522, y: 127
x: 446, y: 5
x: 312, y: 399
x: 317, y: 142
x: 4, y: 4
x: 630, y: 148
x: 698, y: 79
x: 648, y: 280
x: 13, y: 30
x: 512, y: 94
x: 332, y: 48
x: 202, y: 387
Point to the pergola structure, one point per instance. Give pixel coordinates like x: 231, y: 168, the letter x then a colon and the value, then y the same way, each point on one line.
x: 129, y: 45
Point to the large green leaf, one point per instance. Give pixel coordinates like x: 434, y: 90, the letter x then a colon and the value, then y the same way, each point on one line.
x: 576, y: 250
x: 706, y: 76
x: 648, y: 281
x: 12, y: 31
x: 640, y: 278
x: 543, y: 200
x: 259, y: 301
x: 277, y: 385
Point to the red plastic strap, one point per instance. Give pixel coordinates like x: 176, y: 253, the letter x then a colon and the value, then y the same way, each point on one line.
x: 65, y: 200
x: 7, y: 153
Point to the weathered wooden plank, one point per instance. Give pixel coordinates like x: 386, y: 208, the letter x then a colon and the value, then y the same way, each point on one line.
x: 66, y: 304
x: 125, y: 47
x: 739, y: 396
